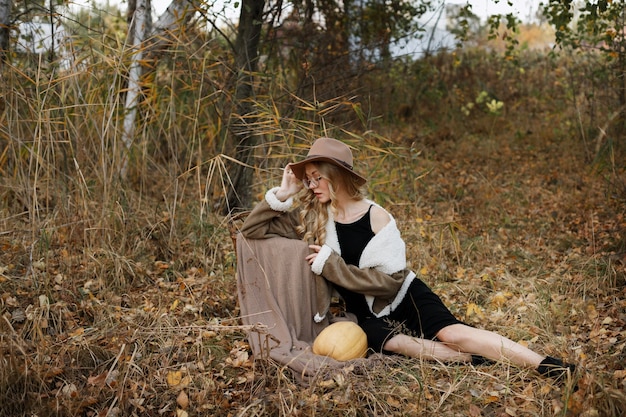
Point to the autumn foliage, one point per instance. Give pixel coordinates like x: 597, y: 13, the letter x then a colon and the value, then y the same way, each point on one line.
x: 119, y: 299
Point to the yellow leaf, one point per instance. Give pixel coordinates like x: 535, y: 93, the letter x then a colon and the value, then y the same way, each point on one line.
x: 460, y: 272
x: 78, y: 332
x: 161, y: 265
x: 592, y: 313
x: 500, y: 298
x: 174, y: 305
x: 186, y: 381
x: 545, y: 389
x: 174, y: 378
x: 424, y: 270
x: 474, y: 309
x: 491, y: 399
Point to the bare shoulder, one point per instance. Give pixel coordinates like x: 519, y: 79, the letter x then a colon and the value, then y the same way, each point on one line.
x: 379, y: 218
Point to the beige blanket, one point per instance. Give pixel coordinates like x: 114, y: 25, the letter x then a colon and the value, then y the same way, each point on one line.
x: 276, y: 290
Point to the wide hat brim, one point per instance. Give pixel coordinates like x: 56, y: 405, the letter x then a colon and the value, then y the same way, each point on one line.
x: 331, y: 151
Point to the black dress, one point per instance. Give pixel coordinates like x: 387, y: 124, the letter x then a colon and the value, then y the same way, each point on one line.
x: 421, y: 313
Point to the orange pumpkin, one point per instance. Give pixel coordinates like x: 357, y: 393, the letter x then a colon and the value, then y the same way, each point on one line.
x: 342, y: 340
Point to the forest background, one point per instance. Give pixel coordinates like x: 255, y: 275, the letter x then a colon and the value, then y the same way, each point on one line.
x: 127, y: 149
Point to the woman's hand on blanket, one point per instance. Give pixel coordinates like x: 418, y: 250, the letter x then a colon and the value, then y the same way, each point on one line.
x: 289, y: 186
x: 311, y: 258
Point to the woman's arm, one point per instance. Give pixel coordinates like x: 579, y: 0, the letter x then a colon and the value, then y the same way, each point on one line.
x: 367, y: 281
x: 271, y: 217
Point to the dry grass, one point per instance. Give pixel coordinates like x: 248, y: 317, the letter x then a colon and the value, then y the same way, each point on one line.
x: 118, y: 297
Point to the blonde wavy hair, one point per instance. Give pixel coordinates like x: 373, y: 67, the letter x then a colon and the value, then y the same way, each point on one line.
x: 313, y: 214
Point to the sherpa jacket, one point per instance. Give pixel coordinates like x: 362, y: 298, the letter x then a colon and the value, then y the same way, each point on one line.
x: 381, y: 276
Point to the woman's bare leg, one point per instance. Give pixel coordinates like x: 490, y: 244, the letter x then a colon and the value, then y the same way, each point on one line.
x: 488, y: 344
x: 425, y: 349
x: 459, y: 343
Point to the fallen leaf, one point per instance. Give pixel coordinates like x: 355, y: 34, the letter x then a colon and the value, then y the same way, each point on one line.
x: 97, y: 380
x: 182, y: 400
x: 328, y: 383
x: 44, y: 302
x: 174, y: 378
x: 474, y: 309
x: 545, y: 389
x: 500, y: 298
x: 113, y: 412
x: 111, y: 378
x: 510, y: 411
x: 69, y: 390
x: 78, y: 332
x: 592, y: 313
x: 161, y: 265
x: 391, y: 401
x: 474, y: 411
x: 619, y: 374
x: 460, y: 272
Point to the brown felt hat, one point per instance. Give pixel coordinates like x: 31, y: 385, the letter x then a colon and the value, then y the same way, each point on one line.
x: 331, y: 151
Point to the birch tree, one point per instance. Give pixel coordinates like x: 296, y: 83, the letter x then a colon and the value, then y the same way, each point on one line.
x: 5, y: 23
x: 137, y: 35
x: 146, y: 40
x: 176, y: 16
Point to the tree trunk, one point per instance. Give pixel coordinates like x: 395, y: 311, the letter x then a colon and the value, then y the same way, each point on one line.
x: 177, y: 15
x: 137, y: 32
x: 146, y: 40
x: 5, y: 23
x: 242, y: 121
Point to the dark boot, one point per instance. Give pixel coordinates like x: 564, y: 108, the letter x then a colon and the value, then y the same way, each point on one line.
x: 556, y: 369
x: 478, y: 360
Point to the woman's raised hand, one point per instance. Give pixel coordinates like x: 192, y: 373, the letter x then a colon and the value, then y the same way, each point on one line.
x: 289, y: 185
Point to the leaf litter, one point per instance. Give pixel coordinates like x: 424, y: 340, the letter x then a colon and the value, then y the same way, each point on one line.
x: 513, y: 253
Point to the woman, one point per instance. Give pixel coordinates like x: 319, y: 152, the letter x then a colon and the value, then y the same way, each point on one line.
x: 357, y: 250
